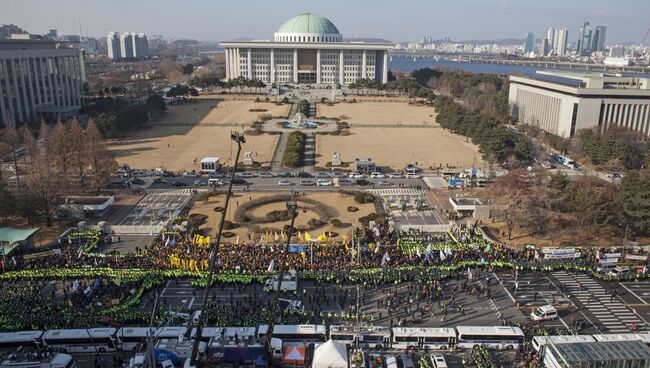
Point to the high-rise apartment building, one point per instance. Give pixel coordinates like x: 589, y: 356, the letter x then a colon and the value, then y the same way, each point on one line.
x: 591, y: 39
x: 598, y: 42
x: 529, y: 45
x: 560, y: 41
x: 127, y: 45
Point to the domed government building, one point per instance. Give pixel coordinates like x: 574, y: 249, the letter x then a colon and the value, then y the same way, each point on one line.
x: 307, y: 49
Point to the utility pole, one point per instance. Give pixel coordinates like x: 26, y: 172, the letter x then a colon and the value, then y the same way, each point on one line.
x: 214, y: 249
x: 291, y: 207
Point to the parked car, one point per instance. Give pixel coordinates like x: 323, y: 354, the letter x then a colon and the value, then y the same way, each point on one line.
x: 239, y: 181
x: 322, y: 174
x: 266, y: 174
x: 303, y: 174
x: 363, y: 181
x: 285, y: 183
x: 179, y: 184
x: 412, y: 176
x: 338, y: 174
x: 345, y: 182
x: 285, y: 174
x: 355, y: 175
x: 214, y: 182
x: 190, y: 175
x: 377, y: 175
x: 200, y: 183
x: 159, y: 181
x: 307, y: 182
x: 395, y: 175
x: 385, y: 183
x: 137, y: 181
x: 619, y: 271
x: 215, y: 175
x: 323, y: 182
x: 438, y: 360
x: 247, y: 175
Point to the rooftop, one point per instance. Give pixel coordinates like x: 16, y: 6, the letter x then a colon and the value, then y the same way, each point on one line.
x: 308, y: 23
x: 608, y: 351
x: 590, y: 80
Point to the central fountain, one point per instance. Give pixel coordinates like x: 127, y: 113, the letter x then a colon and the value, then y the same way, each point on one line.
x: 299, y: 121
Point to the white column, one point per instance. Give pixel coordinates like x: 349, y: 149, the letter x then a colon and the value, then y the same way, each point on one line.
x: 272, y: 66
x: 341, y: 65
x: 364, y: 64
x: 250, y: 65
x: 295, y: 65
x: 234, y: 63
x: 384, y: 75
x: 3, y: 111
x: 15, y: 70
x: 227, y: 56
x: 12, y: 113
x: 32, y: 108
x: 38, y: 90
x: 318, y: 67
x: 66, y: 75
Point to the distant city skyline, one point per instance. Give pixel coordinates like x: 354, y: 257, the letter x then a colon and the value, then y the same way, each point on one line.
x: 626, y: 20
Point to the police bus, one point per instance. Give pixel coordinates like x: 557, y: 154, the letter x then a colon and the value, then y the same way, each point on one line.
x: 497, y: 337
x: 228, y: 334
x: 295, y: 333
x: 94, y: 340
x: 423, y: 337
x: 365, y: 336
x: 24, y: 339
x: 131, y: 337
x: 38, y: 360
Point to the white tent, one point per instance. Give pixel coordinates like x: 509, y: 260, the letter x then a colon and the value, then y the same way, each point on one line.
x: 331, y: 354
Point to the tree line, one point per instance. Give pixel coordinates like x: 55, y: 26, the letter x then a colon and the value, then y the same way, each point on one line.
x: 117, y: 116
x: 56, y: 161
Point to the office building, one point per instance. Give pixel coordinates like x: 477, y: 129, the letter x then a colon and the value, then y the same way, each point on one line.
x: 38, y: 80
x: 545, y: 47
x: 529, y: 44
x: 6, y: 30
x: 617, y: 51
x: 560, y: 41
x: 308, y: 49
x: 598, y: 42
x: 591, y: 39
x: 53, y: 34
x: 567, y: 102
x: 127, y: 45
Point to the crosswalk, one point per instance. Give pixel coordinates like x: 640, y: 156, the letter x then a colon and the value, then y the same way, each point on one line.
x: 174, y: 191
x: 397, y: 191
x: 613, y: 315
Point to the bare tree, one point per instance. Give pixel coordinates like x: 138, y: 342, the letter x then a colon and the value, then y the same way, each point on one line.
x: 12, y: 142
x: 77, y: 145
x: 101, y: 161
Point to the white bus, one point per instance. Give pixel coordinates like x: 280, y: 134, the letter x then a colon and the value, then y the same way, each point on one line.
x: 540, y: 342
x: 295, y: 333
x: 38, y: 360
x: 131, y: 337
x: 25, y: 339
x: 366, y: 336
x: 423, y: 337
x: 497, y: 337
x: 82, y: 341
x: 227, y: 334
x: 617, y: 337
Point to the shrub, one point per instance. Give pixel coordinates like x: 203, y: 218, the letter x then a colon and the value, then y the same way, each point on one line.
x: 364, y: 198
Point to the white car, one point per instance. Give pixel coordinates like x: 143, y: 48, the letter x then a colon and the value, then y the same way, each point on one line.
x: 384, y: 183
x: 323, y: 182
x: 619, y: 271
x: 266, y: 175
x: 321, y: 174
x: 544, y: 313
x: 395, y: 175
x: 247, y: 174
x: 307, y: 182
x: 190, y: 175
x: 412, y: 176
x: 285, y: 183
x: 377, y: 175
x: 356, y: 175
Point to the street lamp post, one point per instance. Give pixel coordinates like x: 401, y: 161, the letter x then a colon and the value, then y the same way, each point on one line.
x: 214, y: 248
x: 292, y: 206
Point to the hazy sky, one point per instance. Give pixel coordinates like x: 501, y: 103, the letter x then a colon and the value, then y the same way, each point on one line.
x: 396, y: 20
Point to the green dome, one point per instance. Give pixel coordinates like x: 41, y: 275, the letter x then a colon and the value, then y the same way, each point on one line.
x: 308, y: 23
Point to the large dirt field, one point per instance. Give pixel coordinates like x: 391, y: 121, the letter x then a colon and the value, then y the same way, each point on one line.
x: 192, y: 131
x: 378, y: 113
x: 325, y: 206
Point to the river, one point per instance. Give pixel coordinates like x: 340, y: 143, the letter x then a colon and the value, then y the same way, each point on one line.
x: 407, y: 64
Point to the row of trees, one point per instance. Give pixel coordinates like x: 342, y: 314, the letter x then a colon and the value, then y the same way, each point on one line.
x: 295, y: 150
x: 484, y: 92
x: 117, y: 116
x: 401, y: 85
x: 58, y: 161
x: 538, y: 203
x: 496, y: 143
x: 182, y: 90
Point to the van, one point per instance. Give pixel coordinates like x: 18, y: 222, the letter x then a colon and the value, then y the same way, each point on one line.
x: 407, y: 362
x: 605, y: 267
x: 619, y: 271
x: 390, y: 361
x: 544, y: 313
x: 438, y: 361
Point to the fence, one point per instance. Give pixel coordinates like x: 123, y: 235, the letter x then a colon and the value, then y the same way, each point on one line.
x: 134, y: 229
